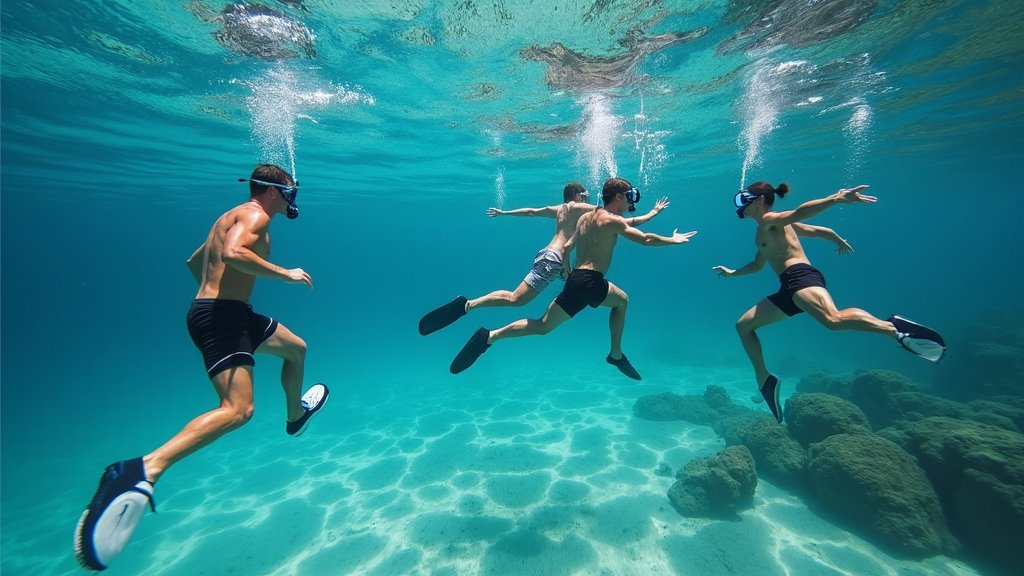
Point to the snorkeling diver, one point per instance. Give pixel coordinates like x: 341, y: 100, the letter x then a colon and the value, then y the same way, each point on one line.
x: 802, y: 285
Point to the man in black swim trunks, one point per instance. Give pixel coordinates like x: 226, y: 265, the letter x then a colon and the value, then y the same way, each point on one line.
x: 547, y: 264
x: 596, y: 234
x: 227, y: 332
x: 803, y: 286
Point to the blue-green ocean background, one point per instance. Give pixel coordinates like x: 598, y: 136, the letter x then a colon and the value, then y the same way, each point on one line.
x: 126, y: 125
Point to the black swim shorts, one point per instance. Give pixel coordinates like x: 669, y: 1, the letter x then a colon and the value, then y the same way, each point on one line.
x: 794, y: 278
x: 582, y: 288
x: 227, y: 332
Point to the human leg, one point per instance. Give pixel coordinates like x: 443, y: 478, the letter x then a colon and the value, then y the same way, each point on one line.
x: 234, y: 388
x: 547, y: 265
x: 284, y: 344
x: 618, y: 301
x: 915, y: 338
x: 761, y: 314
x: 818, y: 304
x: 553, y: 318
x: 482, y: 339
x: 126, y: 487
x: 522, y: 295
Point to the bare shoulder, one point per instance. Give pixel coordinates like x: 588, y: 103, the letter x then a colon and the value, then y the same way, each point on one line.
x: 615, y: 220
x: 774, y: 221
x: 250, y: 215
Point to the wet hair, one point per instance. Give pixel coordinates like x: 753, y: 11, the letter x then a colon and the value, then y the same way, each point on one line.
x: 571, y: 190
x: 612, y: 187
x: 765, y: 189
x: 268, y: 173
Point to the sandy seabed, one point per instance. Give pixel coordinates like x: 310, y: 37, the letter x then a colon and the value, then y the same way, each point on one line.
x: 515, y: 474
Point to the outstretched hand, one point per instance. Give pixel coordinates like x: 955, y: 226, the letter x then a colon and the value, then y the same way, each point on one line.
x: 723, y: 272
x: 843, y: 247
x: 853, y: 195
x: 682, y: 238
x: 661, y: 204
x: 298, y: 276
x: 492, y: 212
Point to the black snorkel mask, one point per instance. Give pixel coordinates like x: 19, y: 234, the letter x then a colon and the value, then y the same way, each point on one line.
x: 287, y: 192
x: 632, y: 197
x: 742, y: 200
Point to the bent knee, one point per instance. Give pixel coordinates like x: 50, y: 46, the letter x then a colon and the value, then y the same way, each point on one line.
x: 743, y: 325
x: 297, y: 350
x: 832, y: 322
x: 240, y: 413
x: 545, y: 328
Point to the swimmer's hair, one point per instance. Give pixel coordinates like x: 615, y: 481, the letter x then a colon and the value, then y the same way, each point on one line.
x: 571, y: 190
x: 768, y: 191
x: 268, y: 173
x: 612, y: 187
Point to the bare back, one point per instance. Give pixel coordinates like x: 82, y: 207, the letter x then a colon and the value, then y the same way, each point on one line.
x: 246, y: 225
x: 566, y: 217
x: 779, y: 245
x: 596, y: 235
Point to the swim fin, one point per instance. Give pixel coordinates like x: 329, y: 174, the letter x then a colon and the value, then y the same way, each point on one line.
x: 313, y: 400
x: 918, y: 339
x: 624, y: 366
x: 443, y: 316
x: 770, y: 393
x: 476, y: 346
x: 113, y: 514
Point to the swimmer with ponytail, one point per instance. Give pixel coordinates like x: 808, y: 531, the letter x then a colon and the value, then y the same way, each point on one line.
x: 802, y: 285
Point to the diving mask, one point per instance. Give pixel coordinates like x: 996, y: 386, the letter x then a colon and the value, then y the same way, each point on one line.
x: 742, y: 200
x: 632, y: 197
x: 287, y: 192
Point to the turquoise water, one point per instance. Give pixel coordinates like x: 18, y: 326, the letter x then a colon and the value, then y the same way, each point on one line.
x: 126, y: 125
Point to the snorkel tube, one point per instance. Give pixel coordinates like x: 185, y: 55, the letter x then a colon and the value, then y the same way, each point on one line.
x: 293, y: 211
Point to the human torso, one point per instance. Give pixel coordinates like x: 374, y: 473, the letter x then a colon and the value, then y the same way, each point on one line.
x: 221, y: 280
x: 779, y: 245
x: 595, y: 240
x: 567, y: 217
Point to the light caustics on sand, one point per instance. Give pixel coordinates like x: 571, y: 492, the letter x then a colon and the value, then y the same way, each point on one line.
x: 599, y: 130
x: 282, y: 96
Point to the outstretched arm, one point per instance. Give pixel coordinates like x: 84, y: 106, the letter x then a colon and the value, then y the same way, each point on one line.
x: 650, y: 239
x: 754, y: 266
x: 660, y: 205
x: 842, y: 246
x: 546, y: 212
x: 814, y: 207
x: 195, y: 263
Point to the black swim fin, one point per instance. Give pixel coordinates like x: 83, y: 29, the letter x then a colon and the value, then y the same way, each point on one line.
x: 443, y: 316
x: 476, y: 346
x: 918, y: 339
x: 624, y: 366
x: 770, y: 393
